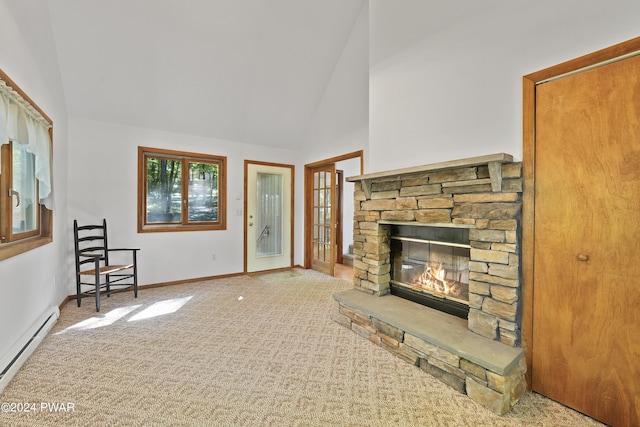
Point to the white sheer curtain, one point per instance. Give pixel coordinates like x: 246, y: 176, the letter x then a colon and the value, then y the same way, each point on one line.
x: 21, y: 123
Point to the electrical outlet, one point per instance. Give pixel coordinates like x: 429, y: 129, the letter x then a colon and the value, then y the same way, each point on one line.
x: 214, y: 256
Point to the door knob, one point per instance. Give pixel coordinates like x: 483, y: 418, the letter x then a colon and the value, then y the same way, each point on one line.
x: 583, y: 257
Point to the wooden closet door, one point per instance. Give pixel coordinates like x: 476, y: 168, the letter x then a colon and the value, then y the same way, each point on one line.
x: 586, y: 310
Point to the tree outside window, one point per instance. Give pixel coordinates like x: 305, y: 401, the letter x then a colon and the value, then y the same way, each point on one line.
x: 180, y: 191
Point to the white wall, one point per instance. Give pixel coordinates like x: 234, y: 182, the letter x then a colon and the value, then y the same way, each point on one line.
x: 103, y: 183
x: 33, y: 281
x: 454, y: 89
x: 340, y: 124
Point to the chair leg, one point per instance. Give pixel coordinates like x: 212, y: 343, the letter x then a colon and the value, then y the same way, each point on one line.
x: 78, y: 294
x: 97, y: 281
x: 135, y: 276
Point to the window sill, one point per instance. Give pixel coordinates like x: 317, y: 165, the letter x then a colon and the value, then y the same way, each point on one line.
x: 8, y: 250
x: 168, y: 228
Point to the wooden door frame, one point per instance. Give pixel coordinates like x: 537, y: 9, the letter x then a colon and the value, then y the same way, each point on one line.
x: 293, y: 176
x: 308, y: 197
x: 339, y: 175
x: 529, y: 83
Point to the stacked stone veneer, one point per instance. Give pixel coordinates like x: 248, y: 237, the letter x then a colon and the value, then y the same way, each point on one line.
x: 463, y: 196
x: 496, y: 389
x: 488, y: 200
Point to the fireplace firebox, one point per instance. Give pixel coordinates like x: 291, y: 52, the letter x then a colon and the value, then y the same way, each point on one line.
x: 430, y: 266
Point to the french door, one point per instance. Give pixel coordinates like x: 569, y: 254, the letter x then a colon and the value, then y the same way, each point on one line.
x: 323, y: 223
x: 323, y: 210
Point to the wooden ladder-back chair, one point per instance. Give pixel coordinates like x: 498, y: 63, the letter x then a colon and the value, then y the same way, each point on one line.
x: 93, y: 269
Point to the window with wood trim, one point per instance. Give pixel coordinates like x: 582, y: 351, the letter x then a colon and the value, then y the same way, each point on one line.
x: 180, y: 191
x: 26, y: 218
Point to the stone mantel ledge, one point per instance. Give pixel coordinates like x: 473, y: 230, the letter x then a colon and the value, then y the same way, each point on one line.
x: 493, y: 161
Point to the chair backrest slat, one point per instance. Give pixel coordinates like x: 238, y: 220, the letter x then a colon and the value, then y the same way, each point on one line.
x: 90, y: 227
x: 96, y: 249
x: 90, y: 239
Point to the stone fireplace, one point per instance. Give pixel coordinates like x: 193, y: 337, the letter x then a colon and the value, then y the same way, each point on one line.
x: 454, y: 227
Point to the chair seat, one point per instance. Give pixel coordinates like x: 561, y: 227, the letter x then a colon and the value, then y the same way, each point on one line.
x: 107, y: 269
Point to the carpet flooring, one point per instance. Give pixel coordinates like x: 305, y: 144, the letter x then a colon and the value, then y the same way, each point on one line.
x: 240, y: 351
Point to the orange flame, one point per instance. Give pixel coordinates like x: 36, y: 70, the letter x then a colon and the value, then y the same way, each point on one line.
x: 433, y: 280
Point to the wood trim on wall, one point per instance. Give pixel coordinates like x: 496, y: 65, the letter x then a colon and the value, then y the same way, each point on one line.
x: 336, y: 159
x: 529, y: 83
x: 339, y: 212
x: 14, y: 86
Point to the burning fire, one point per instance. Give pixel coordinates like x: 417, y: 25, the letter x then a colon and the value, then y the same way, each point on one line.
x: 433, y: 280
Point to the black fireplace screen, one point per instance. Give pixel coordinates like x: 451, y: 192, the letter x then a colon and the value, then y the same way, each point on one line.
x: 430, y: 265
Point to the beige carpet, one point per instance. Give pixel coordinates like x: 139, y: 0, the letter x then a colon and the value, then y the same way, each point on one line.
x: 243, y: 351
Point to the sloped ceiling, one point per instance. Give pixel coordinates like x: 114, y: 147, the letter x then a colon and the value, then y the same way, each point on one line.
x: 397, y: 25
x: 249, y: 71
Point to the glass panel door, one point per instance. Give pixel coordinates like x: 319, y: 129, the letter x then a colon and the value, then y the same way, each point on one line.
x: 323, y: 251
x: 269, y: 220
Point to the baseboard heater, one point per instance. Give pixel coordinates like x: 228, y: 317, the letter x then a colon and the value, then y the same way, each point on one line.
x: 20, y: 352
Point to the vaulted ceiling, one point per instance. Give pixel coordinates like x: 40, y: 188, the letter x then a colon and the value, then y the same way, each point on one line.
x: 249, y: 71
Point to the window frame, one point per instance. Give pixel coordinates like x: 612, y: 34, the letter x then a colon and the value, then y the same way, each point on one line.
x: 185, y: 157
x: 12, y: 244
x: 8, y: 234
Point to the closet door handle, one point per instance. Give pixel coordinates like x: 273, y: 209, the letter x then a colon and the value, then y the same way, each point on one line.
x: 583, y: 257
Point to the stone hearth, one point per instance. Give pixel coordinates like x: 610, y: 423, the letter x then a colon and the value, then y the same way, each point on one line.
x: 481, y: 193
